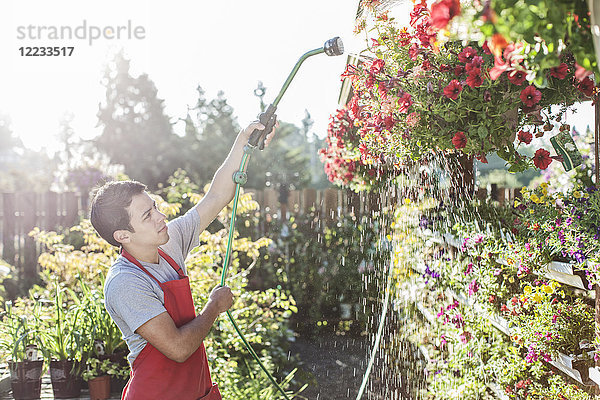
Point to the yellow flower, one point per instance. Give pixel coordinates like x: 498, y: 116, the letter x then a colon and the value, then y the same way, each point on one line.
x: 535, y: 198
x: 545, y: 191
x: 543, y: 199
x: 517, y: 203
x: 547, y: 289
x: 537, y: 298
x: 577, y: 194
x: 530, y: 211
x: 544, y: 185
x: 511, y: 279
x: 527, y: 290
x: 407, y: 201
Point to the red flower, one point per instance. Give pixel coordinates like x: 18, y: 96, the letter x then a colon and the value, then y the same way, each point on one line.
x: 419, y: 10
x: 559, y: 72
x: 530, y: 96
x: 474, y: 78
x: 482, y: 158
x: 444, y: 68
x: 475, y: 63
x: 443, y: 11
x: 414, y: 51
x: 459, y: 140
x: 586, y: 86
x: 467, y: 54
x: 377, y: 66
x: 517, y: 77
x: 525, y: 137
x: 453, y: 89
x: 404, y: 102
x: 542, y: 159
x: 459, y: 70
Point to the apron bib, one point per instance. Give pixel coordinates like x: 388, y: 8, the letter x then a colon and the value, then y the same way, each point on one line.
x: 155, y: 376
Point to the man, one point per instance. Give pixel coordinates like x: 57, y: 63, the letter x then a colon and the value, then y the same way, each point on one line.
x: 147, y: 292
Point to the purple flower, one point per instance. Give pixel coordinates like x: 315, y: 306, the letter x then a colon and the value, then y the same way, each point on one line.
x: 568, y: 221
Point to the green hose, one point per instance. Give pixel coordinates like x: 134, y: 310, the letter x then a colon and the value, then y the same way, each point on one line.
x: 224, y: 275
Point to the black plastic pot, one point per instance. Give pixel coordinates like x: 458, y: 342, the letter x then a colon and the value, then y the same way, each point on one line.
x: 65, y: 377
x: 26, y: 379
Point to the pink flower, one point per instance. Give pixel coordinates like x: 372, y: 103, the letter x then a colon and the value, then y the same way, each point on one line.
x: 412, y: 119
x: 443, y: 11
x: 404, y: 102
x: 542, y: 159
x: 530, y: 96
x: 459, y: 140
x: 465, y: 337
x: 525, y: 137
x: 453, y: 89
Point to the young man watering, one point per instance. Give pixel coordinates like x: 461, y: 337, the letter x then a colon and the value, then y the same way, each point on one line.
x: 147, y: 292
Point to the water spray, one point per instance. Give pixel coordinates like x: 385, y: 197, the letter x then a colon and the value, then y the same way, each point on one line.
x: 332, y: 47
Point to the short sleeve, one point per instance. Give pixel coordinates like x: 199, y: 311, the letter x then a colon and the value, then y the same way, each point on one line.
x: 184, y: 233
x: 131, y: 299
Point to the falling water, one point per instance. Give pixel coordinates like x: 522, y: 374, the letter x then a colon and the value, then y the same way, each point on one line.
x: 401, y: 365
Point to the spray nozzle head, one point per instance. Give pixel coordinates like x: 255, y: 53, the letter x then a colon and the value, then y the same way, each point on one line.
x: 334, y: 47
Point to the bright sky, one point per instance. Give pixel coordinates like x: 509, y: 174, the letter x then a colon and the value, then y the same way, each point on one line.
x: 221, y: 45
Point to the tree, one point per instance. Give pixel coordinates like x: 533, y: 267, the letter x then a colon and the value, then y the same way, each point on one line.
x: 136, y: 131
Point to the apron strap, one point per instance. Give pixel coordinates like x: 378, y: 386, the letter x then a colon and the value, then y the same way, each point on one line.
x: 172, y: 263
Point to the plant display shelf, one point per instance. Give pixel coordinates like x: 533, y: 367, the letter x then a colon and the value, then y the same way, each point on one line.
x: 556, y: 270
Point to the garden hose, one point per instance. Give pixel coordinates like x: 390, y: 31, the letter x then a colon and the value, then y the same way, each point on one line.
x: 386, y: 301
x: 332, y: 47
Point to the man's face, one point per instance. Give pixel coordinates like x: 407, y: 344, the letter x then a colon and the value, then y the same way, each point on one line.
x: 149, y: 226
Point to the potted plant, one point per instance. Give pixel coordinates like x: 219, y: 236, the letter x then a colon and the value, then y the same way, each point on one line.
x: 97, y: 376
x: 66, y: 341
x: 107, y: 341
x: 19, y: 339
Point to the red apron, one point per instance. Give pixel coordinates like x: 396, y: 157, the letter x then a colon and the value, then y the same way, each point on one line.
x: 155, y: 376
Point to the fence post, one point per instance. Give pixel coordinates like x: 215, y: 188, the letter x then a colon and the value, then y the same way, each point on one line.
x: 51, y: 214
x: 331, y: 203
x: 29, y: 218
x: 309, y: 199
x: 72, y: 204
x: 8, y: 227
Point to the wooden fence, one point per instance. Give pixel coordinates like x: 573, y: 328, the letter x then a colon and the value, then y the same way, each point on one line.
x: 21, y: 212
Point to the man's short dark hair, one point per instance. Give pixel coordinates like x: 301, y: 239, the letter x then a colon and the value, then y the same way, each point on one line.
x: 108, y: 213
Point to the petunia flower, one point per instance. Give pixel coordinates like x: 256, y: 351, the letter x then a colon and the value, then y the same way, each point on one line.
x: 460, y: 140
x: 525, y: 137
x: 453, y: 89
x: 467, y: 54
x: 474, y: 78
x: 586, y: 86
x: 559, y: 72
x: 517, y: 77
x: 530, y: 96
x: 542, y: 159
x: 404, y: 102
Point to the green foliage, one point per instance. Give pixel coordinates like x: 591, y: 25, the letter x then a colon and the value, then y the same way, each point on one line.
x: 20, y: 329
x: 324, y: 266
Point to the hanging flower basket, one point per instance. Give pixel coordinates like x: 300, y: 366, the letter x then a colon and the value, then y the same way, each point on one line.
x: 415, y: 95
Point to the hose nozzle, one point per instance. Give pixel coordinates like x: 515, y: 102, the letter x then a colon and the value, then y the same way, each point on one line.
x: 334, y: 47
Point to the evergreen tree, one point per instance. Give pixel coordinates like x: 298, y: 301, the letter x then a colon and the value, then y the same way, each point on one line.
x: 136, y: 131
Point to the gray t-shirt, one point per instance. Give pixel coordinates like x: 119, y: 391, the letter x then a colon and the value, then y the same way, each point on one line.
x: 132, y: 298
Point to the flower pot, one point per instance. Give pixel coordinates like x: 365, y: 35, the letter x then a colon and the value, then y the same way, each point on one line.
x: 66, y: 382
x: 26, y: 379
x: 99, y: 388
